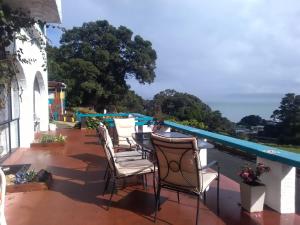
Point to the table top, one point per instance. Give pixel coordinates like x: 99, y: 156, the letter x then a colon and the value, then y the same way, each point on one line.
x: 143, y: 139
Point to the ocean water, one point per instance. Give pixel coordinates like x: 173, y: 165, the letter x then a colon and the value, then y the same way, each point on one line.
x: 235, y: 111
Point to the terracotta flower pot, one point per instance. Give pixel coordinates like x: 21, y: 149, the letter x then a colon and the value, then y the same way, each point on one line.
x: 252, y: 197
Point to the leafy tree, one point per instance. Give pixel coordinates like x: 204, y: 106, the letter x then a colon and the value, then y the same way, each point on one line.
x: 252, y: 120
x: 181, y: 105
x: 188, y: 109
x: 95, y: 60
x: 131, y: 103
x: 193, y: 123
x: 288, y: 115
x: 12, y: 21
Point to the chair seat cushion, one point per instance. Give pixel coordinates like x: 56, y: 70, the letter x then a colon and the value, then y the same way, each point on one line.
x: 134, y: 167
x: 127, y: 156
x: 128, y: 153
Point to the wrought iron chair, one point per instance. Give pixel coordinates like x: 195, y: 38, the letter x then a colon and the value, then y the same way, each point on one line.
x: 2, y: 200
x: 120, y: 169
x: 125, y: 127
x: 180, y: 170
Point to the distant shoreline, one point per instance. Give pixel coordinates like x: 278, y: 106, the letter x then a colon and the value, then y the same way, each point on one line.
x: 235, y: 111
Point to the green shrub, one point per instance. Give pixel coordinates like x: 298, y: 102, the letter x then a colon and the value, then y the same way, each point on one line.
x: 193, y: 123
x: 49, y: 138
x: 92, y: 122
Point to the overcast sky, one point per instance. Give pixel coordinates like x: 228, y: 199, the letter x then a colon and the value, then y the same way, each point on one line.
x: 219, y: 50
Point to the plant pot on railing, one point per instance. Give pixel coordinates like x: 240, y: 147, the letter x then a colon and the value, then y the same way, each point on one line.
x: 252, y: 191
x: 252, y: 197
x: 52, y: 127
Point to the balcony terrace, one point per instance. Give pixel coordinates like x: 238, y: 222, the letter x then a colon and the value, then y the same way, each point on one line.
x: 75, y: 196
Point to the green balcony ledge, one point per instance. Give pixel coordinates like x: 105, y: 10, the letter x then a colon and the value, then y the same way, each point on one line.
x: 263, y: 151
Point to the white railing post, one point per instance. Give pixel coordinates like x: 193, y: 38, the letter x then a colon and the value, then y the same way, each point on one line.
x: 203, y: 155
x: 280, y: 186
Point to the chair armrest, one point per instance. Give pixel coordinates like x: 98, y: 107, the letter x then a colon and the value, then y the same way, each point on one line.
x: 130, y: 142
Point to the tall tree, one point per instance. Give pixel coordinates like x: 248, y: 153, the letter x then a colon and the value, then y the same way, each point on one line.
x: 131, y: 103
x: 252, y: 120
x: 96, y: 59
x: 189, y: 109
x: 288, y: 115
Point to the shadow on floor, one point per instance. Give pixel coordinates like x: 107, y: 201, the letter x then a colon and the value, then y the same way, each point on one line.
x: 90, y: 158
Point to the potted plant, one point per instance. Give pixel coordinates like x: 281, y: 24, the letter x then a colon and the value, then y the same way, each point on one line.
x: 251, y: 189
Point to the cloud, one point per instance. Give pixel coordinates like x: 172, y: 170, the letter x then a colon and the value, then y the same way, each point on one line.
x: 212, y: 49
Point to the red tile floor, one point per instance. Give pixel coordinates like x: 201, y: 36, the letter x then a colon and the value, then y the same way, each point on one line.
x: 75, y: 196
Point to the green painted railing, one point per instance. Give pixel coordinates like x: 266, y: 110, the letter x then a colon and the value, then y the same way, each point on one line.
x: 271, y: 153
x: 140, y: 119
x: 275, y: 154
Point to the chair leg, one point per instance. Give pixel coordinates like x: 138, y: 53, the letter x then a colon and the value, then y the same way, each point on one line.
x: 198, y: 204
x: 218, y: 196
x: 154, y: 188
x: 106, y: 171
x: 204, y: 197
x: 157, y: 202
x: 146, y: 181
x: 111, y: 194
x: 178, y: 200
x: 106, y: 183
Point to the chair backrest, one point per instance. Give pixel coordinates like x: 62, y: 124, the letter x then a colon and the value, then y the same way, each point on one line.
x: 107, y: 145
x: 178, y: 162
x: 125, y: 127
x: 2, y: 200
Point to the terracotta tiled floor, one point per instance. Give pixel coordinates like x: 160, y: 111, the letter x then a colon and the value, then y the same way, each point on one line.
x: 75, y: 197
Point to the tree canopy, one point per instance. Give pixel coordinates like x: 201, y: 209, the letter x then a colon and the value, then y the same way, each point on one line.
x: 189, y: 109
x: 288, y: 115
x: 252, y: 120
x: 95, y: 60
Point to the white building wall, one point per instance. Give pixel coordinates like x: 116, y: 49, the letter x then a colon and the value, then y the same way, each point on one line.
x: 27, y: 74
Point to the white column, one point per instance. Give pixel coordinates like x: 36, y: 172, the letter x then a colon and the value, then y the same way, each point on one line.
x: 280, y: 186
x: 203, y: 156
x: 26, y: 117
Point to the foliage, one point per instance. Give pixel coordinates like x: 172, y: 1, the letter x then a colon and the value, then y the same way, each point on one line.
x: 188, y: 109
x: 84, y: 110
x: 181, y: 105
x: 95, y: 60
x: 288, y: 115
x: 92, y: 122
x: 25, y: 176
x: 251, y: 176
x: 193, y: 123
x: 131, y: 103
x: 30, y: 175
x: 50, y: 138
x: 252, y: 120
x: 12, y: 21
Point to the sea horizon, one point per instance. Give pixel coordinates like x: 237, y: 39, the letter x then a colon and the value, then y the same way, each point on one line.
x: 235, y: 111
